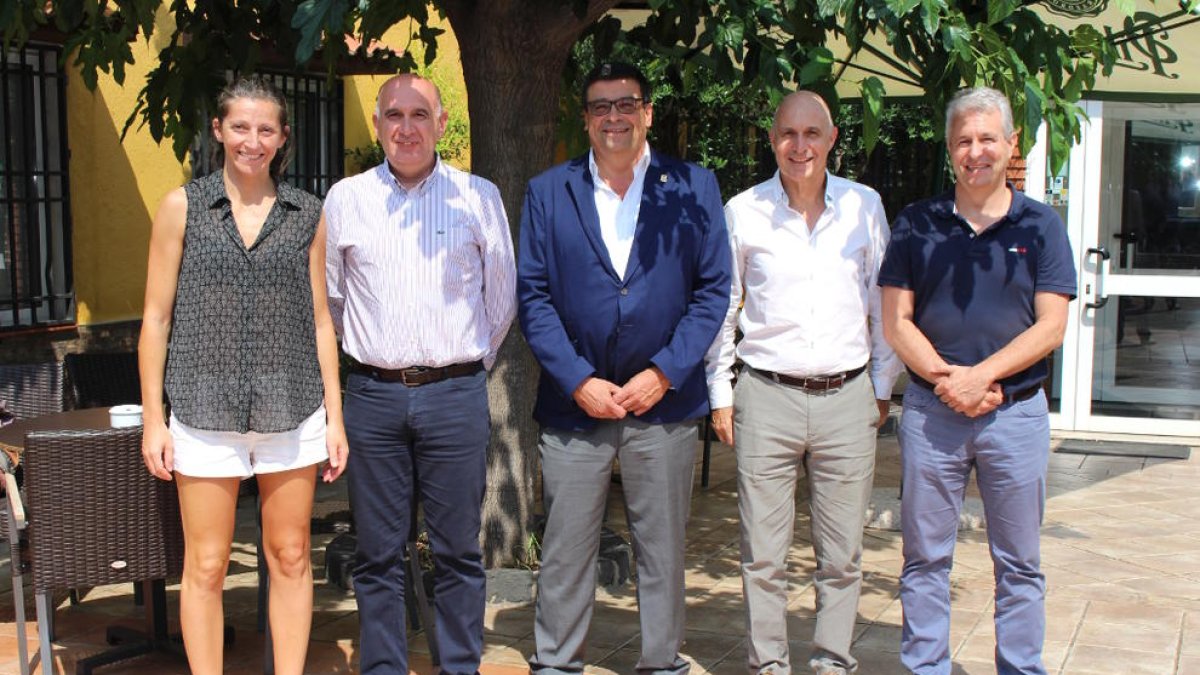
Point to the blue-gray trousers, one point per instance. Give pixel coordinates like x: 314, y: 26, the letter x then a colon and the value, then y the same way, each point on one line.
x: 1009, y: 449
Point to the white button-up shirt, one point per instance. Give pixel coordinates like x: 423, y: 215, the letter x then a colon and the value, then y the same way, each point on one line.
x: 619, y: 215
x: 422, y: 276
x: 808, y: 299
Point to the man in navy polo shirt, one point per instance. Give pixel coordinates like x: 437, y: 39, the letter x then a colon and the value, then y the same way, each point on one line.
x: 976, y: 284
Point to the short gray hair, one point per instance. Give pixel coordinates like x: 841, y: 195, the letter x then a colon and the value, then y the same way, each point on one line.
x: 979, y: 99
x: 437, y: 91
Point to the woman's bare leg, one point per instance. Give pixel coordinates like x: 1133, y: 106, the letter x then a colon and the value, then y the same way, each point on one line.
x: 207, y: 506
x: 287, y: 500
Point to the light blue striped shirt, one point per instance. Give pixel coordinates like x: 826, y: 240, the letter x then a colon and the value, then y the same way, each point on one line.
x: 422, y: 276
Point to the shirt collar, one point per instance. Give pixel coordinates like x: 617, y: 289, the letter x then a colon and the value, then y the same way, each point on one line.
x: 944, y: 206
x: 385, y: 174
x: 287, y: 195
x: 780, y: 195
x: 639, y: 167
x: 284, y: 194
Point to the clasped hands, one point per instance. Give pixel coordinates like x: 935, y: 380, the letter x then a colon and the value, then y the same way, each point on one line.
x: 967, y: 390
x: 604, y: 400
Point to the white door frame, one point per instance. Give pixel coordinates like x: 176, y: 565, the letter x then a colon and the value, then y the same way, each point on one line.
x: 1088, y: 188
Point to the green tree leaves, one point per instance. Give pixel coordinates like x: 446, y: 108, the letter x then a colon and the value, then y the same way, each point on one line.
x: 934, y: 45
x: 314, y: 18
x: 778, y: 45
x: 872, y: 104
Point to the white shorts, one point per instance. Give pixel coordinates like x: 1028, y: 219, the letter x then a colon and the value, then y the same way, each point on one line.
x: 201, y: 453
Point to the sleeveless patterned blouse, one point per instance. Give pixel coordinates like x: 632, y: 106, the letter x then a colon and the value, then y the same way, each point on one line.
x: 243, y: 348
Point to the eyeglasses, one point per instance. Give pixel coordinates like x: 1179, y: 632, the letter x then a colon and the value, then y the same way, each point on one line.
x: 626, y: 105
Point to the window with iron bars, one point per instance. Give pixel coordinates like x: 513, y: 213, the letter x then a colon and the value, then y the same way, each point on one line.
x: 317, y: 114
x: 36, y: 287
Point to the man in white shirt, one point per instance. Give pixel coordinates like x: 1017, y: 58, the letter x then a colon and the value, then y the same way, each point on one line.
x: 806, y: 248
x: 421, y: 281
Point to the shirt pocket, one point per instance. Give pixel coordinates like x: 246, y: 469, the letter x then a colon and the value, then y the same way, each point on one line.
x: 461, y: 250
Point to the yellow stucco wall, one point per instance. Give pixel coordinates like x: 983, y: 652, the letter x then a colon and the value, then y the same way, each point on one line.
x: 115, y: 190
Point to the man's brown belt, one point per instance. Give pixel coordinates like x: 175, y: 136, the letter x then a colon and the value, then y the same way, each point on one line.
x: 817, y: 383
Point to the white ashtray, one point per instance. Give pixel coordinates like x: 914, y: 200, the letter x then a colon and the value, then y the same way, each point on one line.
x: 129, y: 415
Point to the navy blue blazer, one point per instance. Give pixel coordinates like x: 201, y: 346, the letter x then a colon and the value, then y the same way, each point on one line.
x: 581, y: 319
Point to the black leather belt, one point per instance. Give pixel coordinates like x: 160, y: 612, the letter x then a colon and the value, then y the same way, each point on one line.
x: 417, y: 375
x: 818, y: 383
x: 1009, y: 396
x: 1023, y: 394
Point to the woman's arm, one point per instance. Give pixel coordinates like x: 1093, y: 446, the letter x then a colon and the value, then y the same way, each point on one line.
x: 327, y: 356
x: 162, y: 278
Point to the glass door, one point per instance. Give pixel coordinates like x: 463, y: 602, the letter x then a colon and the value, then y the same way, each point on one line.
x: 1133, y: 355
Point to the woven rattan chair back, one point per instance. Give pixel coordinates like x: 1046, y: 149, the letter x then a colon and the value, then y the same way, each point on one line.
x: 32, y: 389
x: 96, y: 516
x: 103, y: 379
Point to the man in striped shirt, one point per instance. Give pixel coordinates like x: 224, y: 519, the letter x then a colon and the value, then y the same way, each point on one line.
x: 421, y: 286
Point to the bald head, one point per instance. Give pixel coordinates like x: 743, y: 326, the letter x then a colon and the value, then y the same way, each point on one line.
x: 421, y: 85
x: 802, y: 136
x: 806, y: 103
x: 409, y: 122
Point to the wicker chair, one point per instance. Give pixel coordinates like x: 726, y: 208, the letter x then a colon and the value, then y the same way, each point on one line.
x: 32, y: 389
x: 92, y: 515
x: 103, y: 379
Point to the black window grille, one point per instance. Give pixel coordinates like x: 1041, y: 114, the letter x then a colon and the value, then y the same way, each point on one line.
x: 36, y: 287
x: 317, y: 118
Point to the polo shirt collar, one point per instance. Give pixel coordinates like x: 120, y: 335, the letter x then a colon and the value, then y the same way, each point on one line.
x: 945, y: 207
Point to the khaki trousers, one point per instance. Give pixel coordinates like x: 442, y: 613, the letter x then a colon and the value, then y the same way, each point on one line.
x: 777, y: 429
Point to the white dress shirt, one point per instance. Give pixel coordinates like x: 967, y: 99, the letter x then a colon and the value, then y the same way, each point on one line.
x: 619, y: 216
x: 422, y: 276
x: 811, y: 302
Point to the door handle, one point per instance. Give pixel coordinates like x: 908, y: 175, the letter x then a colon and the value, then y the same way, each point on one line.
x: 1099, y: 297
x: 1129, y: 242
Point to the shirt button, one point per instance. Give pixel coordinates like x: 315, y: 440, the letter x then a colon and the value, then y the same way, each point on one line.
x: 624, y: 291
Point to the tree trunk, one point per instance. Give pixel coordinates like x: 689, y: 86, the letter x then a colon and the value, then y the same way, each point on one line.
x: 513, y: 53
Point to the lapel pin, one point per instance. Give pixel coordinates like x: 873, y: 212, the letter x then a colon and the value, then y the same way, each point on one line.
x: 662, y: 178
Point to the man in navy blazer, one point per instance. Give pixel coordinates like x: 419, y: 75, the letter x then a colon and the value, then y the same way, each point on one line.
x: 623, y: 281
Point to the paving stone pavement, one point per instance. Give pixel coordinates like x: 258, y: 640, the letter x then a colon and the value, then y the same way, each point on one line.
x: 1121, y: 552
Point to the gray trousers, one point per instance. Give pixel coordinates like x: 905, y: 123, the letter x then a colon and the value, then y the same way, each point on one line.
x: 657, y: 463
x: 776, y: 429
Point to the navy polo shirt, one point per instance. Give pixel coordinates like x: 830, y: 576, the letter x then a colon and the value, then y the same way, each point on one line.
x: 974, y: 293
